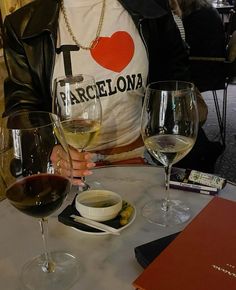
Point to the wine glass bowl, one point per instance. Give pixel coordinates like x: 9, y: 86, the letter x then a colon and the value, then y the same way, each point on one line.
x: 169, y: 129
x: 36, y: 187
x: 33, y: 195
x: 77, y: 103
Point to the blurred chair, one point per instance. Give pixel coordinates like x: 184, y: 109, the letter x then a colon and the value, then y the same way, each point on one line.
x: 230, y: 26
x: 219, y: 79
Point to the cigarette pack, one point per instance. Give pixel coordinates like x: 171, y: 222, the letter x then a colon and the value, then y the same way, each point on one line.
x: 181, y: 179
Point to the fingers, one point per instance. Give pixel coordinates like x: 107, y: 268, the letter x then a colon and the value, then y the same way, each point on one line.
x: 81, y: 169
x: 81, y: 163
x: 80, y: 156
x: 58, y: 162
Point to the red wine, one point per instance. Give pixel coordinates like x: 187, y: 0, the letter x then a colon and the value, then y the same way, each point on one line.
x: 38, y: 195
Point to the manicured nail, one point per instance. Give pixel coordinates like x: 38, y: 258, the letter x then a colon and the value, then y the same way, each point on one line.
x: 77, y: 181
x: 88, y: 172
x: 91, y: 164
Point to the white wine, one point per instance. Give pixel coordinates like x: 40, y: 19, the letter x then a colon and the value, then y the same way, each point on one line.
x: 79, y: 133
x: 168, y: 149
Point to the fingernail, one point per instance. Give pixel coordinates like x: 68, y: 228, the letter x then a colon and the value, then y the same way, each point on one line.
x: 91, y: 164
x: 88, y: 172
x: 89, y: 155
x: 76, y: 183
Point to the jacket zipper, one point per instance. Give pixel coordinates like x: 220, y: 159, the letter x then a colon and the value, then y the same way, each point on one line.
x: 144, y: 41
x: 52, y: 70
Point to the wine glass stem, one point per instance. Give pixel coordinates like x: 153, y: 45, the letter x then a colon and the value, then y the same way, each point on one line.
x: 48, y: 264
x: 85, y: 186
x: 166, y: 203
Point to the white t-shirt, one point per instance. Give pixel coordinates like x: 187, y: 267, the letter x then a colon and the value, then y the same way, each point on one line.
x: 118, y: 62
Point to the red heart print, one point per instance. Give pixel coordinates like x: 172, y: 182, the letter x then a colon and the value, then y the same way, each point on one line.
x: 115, y: 52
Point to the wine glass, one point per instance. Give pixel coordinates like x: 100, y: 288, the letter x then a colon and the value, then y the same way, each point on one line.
x: 169, y: 129
x: 78, y: 106
x: 36, y: 187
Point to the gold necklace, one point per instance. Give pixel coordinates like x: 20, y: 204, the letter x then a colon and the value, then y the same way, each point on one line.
x: 94, y: 42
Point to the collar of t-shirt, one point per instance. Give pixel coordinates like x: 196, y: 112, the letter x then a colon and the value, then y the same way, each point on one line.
x: 118, y: 62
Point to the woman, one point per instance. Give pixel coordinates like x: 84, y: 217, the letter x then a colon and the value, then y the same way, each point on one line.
x: 126, y: 40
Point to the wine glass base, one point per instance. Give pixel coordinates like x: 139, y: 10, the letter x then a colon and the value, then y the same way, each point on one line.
x: 92, y: 185
x: 96, y: 185
x: 63, y: 276
x: 84, y: 187
x: 177, y: 212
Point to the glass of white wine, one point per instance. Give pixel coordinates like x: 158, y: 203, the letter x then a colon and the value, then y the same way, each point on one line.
x: 76, y: 101
x: 169, y: 129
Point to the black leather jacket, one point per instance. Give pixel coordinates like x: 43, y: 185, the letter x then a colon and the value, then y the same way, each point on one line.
x: 30, y: 38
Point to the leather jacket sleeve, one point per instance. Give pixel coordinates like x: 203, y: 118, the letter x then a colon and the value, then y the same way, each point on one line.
x: 18, y: 87
x: 29, y: 51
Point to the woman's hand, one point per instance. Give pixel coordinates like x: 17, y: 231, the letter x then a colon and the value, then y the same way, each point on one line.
x: 81, y: 163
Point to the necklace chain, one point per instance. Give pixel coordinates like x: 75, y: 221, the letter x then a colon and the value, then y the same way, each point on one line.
x: 94, y: 42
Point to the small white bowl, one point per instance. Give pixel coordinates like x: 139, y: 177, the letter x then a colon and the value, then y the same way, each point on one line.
x: 98, y: 205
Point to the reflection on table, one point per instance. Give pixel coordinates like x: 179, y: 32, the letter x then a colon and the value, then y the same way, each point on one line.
x: 107, y: 261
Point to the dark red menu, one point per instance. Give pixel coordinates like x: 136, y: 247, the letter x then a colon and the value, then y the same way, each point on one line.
x: 201, y: 257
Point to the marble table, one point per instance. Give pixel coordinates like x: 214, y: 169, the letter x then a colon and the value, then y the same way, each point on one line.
x: 107, y: 262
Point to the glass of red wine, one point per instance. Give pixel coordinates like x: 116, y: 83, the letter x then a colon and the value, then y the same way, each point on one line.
x: 29, y: 142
